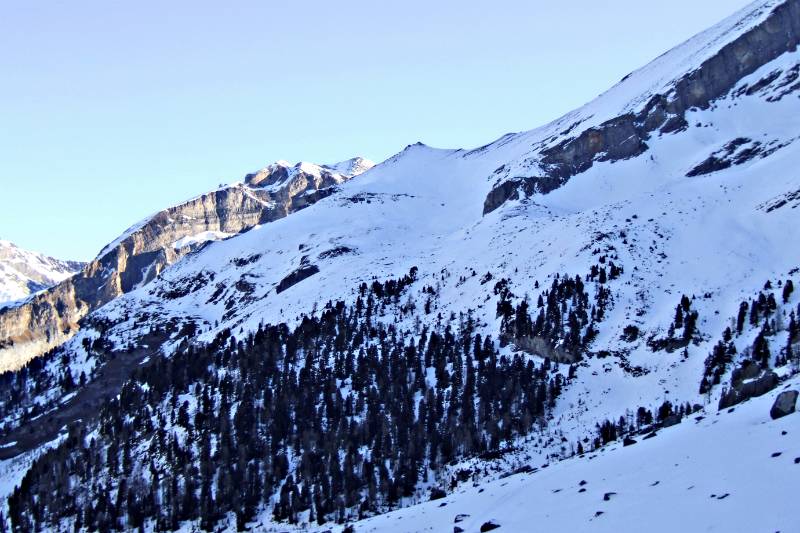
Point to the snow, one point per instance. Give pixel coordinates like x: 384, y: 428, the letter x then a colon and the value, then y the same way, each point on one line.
x: 423, y: 207
x: 351, y: 167
x: 733, y: 470
x: 275, y: 176
x: 713, y: 237
x: 658, y: 76
x: 633, y: 92
x: 13, y: 470
x: 200, y: 238
x: 23, y: 272
x: 713, y: 472
x: 340, y: 172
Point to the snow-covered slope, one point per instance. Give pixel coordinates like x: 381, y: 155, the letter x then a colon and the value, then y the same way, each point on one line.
x: 23, y: 272
x: 672, y: 197
x: 734, y: 470
x: 716, y: 236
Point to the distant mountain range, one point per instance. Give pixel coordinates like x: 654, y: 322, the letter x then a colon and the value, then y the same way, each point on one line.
x: 23, y: 273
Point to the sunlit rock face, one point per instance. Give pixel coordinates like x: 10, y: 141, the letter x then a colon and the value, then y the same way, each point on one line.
x: 30, y: 327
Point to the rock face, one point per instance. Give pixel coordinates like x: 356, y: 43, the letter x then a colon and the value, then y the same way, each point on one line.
x: 541, y: 347
x: 626, y: 136
x: 296, y: 277
x: 142, y: 252
x: 784, y: 404
x: 744, y: 387
x: 23, y: 272
x: 489, y: 526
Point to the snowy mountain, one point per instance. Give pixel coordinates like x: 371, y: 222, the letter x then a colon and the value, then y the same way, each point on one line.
x: 280, y: 172
x: 351, y: 167
x: 138, y: 255
x: 23, y: 273
x: 445, y: 324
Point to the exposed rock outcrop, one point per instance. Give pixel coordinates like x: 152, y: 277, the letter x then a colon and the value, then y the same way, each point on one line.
x: 784, y: 404
x: 746, y: 385
x: 142, y: 252
x: 626, y: 136
x: 540, y: 346
x: 296, y: 277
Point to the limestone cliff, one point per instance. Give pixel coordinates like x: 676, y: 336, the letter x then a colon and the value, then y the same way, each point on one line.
x: 663, y: 112
x: 141, y: 253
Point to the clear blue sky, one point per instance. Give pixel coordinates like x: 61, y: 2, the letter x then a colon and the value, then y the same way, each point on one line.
x: 110, y: 111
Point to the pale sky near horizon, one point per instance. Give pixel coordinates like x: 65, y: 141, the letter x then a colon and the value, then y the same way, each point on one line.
x: 110, y: 111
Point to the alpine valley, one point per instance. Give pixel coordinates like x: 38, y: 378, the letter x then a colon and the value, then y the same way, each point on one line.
x: 588, y: 326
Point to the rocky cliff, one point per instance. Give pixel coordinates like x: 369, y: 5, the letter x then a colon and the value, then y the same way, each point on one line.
x: 143, y: 251
x: 664, y: 112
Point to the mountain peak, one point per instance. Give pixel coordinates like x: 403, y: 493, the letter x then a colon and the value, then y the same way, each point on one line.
x: 351, y: 167
x: 23, y: 272
x: 281, y: 170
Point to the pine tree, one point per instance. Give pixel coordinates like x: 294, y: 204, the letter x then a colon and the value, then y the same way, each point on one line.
x: 788, y: 288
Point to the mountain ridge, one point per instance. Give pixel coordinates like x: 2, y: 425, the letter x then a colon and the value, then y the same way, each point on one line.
x: 657, y: 110
x: 139, y: 254
x: 395, y: 342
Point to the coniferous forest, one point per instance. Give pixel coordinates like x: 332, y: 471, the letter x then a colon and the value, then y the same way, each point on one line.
x: 339, y: 417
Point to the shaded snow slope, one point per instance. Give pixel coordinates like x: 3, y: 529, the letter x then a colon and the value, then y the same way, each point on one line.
x: 728, y: 471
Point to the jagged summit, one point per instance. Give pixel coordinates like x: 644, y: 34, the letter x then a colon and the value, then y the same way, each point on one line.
x: 351, y: 167
x: 281, y: 171
x: 671, y: 97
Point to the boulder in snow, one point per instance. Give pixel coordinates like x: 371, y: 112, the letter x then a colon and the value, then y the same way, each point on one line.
x: 437, y: 493
x: 784, y: 404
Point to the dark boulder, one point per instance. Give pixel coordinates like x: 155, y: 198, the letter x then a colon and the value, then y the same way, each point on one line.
x: 296, y: 277
x: 784, y: 404
x: 489, y: 526
x: 437, y: 493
